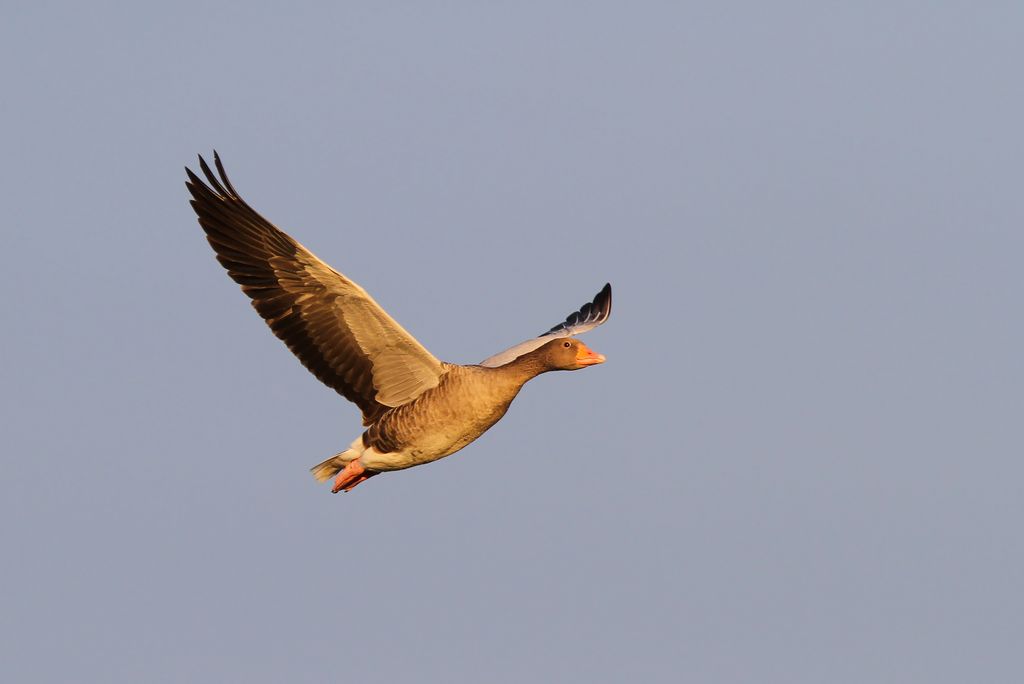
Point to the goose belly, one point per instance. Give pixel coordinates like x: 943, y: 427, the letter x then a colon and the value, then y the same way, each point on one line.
x: 414, y: 444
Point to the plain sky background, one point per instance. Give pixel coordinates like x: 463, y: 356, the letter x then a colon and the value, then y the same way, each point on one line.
x: 801, y: 463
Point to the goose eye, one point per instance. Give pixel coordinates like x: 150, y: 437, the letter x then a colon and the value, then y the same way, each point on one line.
x: 567, y: 345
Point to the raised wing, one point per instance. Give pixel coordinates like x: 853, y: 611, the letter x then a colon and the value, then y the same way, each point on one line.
x: 330, y: 323
x: 590, y: 315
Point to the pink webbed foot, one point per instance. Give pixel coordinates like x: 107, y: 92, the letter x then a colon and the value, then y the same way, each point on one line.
x: 353, y: 474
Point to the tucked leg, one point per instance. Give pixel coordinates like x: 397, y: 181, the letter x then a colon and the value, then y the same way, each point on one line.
x: 362, y: 478
x: 353, y: 474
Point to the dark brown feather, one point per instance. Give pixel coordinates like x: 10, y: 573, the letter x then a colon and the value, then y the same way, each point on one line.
x: 273, y: 270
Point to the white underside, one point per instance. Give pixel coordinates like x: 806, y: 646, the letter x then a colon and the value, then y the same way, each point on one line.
x: 393, y: 460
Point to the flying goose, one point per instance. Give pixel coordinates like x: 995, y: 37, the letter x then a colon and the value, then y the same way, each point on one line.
x: 416, y: 408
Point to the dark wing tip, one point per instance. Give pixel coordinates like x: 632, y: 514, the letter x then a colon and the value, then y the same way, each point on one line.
x: 594, y: 312
x: 224, y: 175
x: 217, y: 182
x: 603, y: 301
x: 193, y: 179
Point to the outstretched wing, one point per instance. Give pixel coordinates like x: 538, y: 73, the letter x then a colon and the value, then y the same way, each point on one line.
x: 590, y: 315
x: 330, y: 323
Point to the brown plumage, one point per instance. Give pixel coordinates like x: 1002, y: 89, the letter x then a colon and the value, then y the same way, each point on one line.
x: 416, y: 408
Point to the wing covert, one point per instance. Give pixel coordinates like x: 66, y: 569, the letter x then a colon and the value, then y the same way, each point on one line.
x: 329, y: 322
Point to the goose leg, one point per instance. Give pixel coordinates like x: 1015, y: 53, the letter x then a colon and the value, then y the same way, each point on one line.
x: 362, y: 478
x: 354, y: 473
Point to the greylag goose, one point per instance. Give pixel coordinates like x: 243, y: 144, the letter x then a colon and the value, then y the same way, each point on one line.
x: 416, y: 409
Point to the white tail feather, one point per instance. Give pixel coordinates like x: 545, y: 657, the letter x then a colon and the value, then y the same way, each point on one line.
x: 335, y: 464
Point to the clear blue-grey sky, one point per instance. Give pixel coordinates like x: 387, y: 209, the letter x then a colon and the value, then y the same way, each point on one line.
x: 801, y: 463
